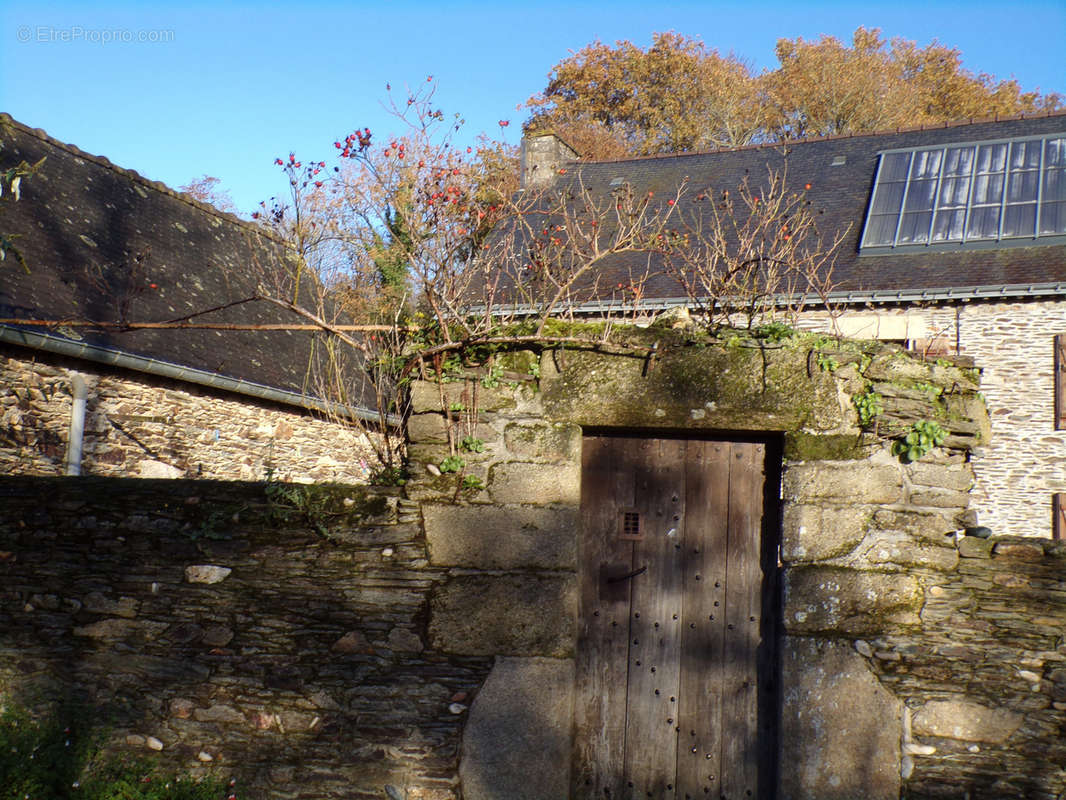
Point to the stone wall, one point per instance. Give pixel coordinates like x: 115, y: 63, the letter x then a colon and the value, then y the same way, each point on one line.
x: 1022, y: 466
x: 1019, y: 469
x: 140, y: 426
x: 508, y: 546
x: 983, y: 677
x: 209, y: 622
x: 429, y: 646
x: 950, y: 649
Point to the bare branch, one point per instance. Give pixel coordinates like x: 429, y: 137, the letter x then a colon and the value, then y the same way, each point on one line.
x: 203, y: 326
x: 321, y: 323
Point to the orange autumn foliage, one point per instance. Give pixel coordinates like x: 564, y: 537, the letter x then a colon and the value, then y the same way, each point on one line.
x: 679, y: 95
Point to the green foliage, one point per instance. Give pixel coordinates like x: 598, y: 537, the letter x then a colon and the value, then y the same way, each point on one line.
x: 472, y: 444
x: 457, y: 407
x: 931, y: 391
x: 388, y: 476
x: 392, y: 258
x: 472, y: 483
x: 451, y: 369
x: 41, y: 759
x: 922, y: 437
x: 826, y: 362
x: 452, y: 464
x: 869, y: 406
x: 292, y: 502
x: 491, y: 379
x: 7, y: 245
x: 534, y: 369
x: 59, y: 759
x: 215, y: 524
x: 320, y: 505
x: 136, y: 780
x: 774, y: 331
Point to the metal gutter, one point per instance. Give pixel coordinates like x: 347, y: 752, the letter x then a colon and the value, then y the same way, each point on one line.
x: 166, y: 369
x: 879, y: 296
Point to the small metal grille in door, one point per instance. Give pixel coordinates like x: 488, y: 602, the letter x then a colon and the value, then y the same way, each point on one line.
x: 630, y: 525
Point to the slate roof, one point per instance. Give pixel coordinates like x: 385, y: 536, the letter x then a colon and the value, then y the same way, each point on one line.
x: 841, y: 195
x: 103, y: 243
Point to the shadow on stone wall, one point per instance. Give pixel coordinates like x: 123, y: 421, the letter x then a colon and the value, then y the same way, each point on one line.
x: 192, y: 622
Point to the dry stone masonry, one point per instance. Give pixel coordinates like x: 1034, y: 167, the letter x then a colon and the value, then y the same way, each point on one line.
x: 208, y: 621
x: 426, y: 643
x: 138, y: 426
x: 1019, y: 469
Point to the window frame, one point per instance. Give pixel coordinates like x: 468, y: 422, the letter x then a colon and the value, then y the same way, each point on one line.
x: 967, y: 240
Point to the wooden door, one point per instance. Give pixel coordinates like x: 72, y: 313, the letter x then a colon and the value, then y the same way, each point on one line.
x: 675, y: 650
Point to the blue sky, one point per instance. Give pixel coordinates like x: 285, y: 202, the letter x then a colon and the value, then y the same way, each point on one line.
x: 223, y: 88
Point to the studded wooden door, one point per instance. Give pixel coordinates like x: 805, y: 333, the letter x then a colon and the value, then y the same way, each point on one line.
x: 675, y: 650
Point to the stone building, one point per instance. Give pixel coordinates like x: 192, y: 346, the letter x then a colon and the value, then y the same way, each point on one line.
x: 101, y: 243
x: 954, y: 243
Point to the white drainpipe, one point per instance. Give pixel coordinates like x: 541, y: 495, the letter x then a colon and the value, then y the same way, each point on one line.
x: 77, y: 425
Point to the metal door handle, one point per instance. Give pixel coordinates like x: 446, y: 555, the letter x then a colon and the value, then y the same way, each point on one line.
x: 628, y: 575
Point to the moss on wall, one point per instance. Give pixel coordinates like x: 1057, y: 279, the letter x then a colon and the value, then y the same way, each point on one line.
x: 692, y: 382
x: 800, y: 446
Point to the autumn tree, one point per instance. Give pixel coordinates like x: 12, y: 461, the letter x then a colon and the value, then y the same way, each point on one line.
x: 947, y: 91
x: 679, y: 95
x: 484, y: 267
x: 393, y: 213
x: 826, y: 88
x: 418, y: 240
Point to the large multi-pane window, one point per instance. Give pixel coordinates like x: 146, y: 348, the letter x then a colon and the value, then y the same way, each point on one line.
x: 960, y: 193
